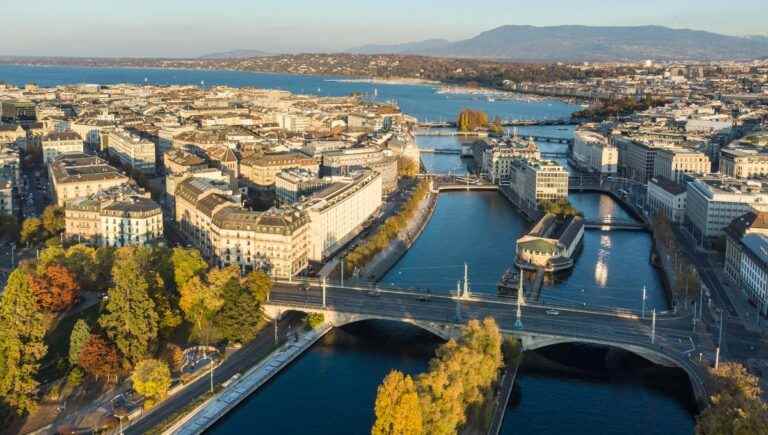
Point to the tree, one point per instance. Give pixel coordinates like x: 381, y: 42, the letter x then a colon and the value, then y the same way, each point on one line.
x: 397, y: 409
x: 81, y: 259
x: 259, y: 284
x: 736, y: 408
x: 471, y: 120
x: 497, y: 127
x: 407, y: 167
x: 151, y: 378
x: 187, y: 263
x: 57, y: 289
x: 105, y: 258
x: 240, y: 315
x: 174, y: 356
x: 99, y: 358
x: 78, y: 338
x: 53, y: 254
x: 22, y: 331
x: 199, y: 302
x: 31, y: 230
x: 53, y: 220
x: 130, y: 319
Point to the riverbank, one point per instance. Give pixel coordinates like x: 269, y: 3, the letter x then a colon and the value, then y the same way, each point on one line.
x: 388, y: 258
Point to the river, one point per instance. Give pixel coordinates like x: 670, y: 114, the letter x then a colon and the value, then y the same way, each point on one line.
x: 330, y: 389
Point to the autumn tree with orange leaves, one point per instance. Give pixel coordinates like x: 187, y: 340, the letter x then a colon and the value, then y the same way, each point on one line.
x: 99, y: 358
x: 56, y: 289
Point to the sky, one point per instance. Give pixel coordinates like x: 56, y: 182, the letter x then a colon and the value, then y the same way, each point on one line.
x: 191, y: 28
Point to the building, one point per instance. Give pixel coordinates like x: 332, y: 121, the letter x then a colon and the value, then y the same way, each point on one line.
x: 78, y: 175
x: 667, y: 198
x: 743, y: 162
x: 132, y: 151
x: 260, y: 172
x: 8, y: 204
x: 17, y: 112
x: 177, y: 161
x: 13, y: 135
x: 293, y: 122
x: 672, y: 163
x: 60, y: 142
x: 746, y: 257
x: 713, y: 202
x: 339, y: 211
x: 636, y: 159
x: 537, y: 181
x: 387, y: 167
x: 551, y: 244
x: 594, y: 153
x: 498, y: 157
x: 342, y: 162
x: 293, y: 184
x: 118, y: 216
x: 227, y: 234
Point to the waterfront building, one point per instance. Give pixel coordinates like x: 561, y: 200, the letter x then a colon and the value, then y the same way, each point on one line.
x: 132, y: 151
x: 260, y: 172
x: 551, y: 244
x: 228, y: 234
x: 293, y: 184
x: 388, y: 168
x: 57, y: 143
x: 594, y: 153
x: 636, y: 159
x: 338, y: 212
x: 667, y: 198
x: 746, y: 257
x: 498, y: 157
x: 672, y: 163
x: 713, y: 202
x: 78, y: 175
x: 118, y: 216
x: 537, y: 181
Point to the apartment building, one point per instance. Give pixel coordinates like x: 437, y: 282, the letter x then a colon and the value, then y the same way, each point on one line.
x: 667, y: 198
x: 746, y: 257
x: 78, y: 175
x: 636, y: 159
x: 713, y: 202
x: 743, y: 162
x: 260, y: 172
x: 342, y: 162
x: 177, y: 161
x: 498, y: 157
x: 538, y: 181
x: 227, y: 234
x: 132, y: 151
x: 118, y: 216
x: 337, y: 213
x: 60, y: 142
x: 293, y: 184
x: 594, y: 153
x: 672, y: 163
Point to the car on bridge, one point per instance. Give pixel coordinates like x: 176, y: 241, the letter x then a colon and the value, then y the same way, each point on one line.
x: 553, y: 312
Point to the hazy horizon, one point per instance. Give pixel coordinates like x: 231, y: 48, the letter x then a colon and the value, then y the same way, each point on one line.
x: 173, y: 28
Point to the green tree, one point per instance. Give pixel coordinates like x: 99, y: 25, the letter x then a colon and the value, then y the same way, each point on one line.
x: 397, y: 409
x: 81, y: 259
x: 736, y: 407
x: 130, y: 319
x: 22, y: 331
x: 239, y: 317
x: 200, y: 302
x: 53, y: 220
x: 151, y: 378
x: 105, y: 259
x: 471, y: 120
x: 79, y: 337
x: 187, y: 263
x: 31, y: 231
x: 259, y: 284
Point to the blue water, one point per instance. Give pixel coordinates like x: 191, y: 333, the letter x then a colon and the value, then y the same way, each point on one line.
x: 421, y: 101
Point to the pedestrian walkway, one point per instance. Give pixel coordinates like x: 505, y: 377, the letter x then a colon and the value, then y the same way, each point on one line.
x: 205, y: 415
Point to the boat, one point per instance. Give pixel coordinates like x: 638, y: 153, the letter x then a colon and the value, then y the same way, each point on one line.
x: 509, y: 282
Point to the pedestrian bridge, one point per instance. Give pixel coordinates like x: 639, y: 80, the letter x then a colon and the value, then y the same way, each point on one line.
x: 666, y: 342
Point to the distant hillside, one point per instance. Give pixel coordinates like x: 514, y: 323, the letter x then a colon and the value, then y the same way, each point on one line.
x: 584, y: 43
x: 236, y: 54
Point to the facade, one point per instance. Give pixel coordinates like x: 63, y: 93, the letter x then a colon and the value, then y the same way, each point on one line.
x: 636, y: 159
x: 712, y: 203
x: 672, y: 163
x: 260, y: 172
x: 387, y: 167
x: 132, y: 151
x: 13, y: 135
x: 57, y: 143
x: 538, y: 181
x: 743, y: 163
x: 498, y: 157
x: 338, y: 212
x: 292, y: 184
x: 667, y: 198
x: 550, y: 245
x: 8, y: 205
x: 78, y: 175
x: 116, y: 217
x: 177, y: 161
x: 227, y: 234
x: 746, y: 257
x: 594, y: 153
x: 342, y: 162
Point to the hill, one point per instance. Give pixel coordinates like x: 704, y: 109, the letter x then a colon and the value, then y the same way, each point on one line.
x: 236, y: 54
x: 585, y: 43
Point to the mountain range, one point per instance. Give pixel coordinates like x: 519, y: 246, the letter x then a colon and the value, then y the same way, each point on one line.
x: 585, y: 43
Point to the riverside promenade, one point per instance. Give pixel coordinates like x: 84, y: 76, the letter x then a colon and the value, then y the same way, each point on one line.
x: 212, y: 410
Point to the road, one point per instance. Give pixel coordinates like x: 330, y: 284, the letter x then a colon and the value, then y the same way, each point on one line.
x: 238, y: 362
